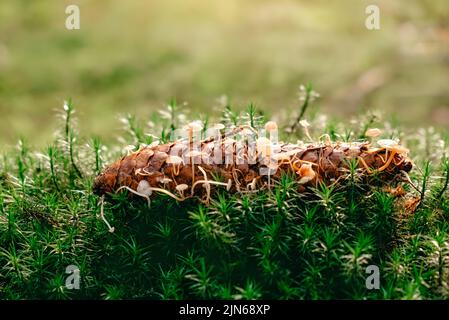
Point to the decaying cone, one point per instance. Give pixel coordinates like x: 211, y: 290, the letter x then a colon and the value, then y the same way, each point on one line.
x: 158, y: 169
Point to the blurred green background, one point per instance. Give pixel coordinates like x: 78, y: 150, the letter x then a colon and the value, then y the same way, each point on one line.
x: 133, y: 56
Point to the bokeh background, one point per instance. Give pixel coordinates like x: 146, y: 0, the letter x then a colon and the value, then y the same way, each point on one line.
x: 133, y: 56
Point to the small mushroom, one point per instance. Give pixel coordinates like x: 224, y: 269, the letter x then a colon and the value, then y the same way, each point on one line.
x: 392, y: 146
x: 144, y: 187
x: 206, y: 184
x: 173, y: 160
x: 373, y: 132
x: 218, y: 126
x: 164, y: 180
x: 252, y: 186
x: 387, y: 143
x: 181, y: 188
x: 193, y: 127
x: 306, y: 173
x: 271, y: 126
x: 305, y: 124
x: 176, y: 162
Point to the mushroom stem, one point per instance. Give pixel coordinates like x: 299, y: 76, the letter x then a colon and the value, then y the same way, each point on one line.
x: 152, y: 189
x: 252, y: 185
x: 136, y: 193
x: 176, y: 169
x: 110, y: 229
x: 167, y: 193
x: 209, y: 182
x: 407, y: 178
x: 365, y: 165
x: 393, y: 153
x: 235, y: 177
x: 207, y: 185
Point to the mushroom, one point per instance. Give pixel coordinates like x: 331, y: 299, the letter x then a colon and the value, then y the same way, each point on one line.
x: 193, y: 127
x: 110, y: 229
x: 176, y: 162
x: 271, y: 126
x: 206, y: 184
x: 144, y: 189
x: 271, y: 169
x: 181, y: 188
x: 192, y: 154
x: 164, y: 180
x: 305, y: 124
x: 394, y: 148
x: 373, y: 132
x: 306, y: 173
x: 218, y: 126
x: 252, y: 185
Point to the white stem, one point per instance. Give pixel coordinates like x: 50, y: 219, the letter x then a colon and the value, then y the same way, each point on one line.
x: 207, y: 185
x: 208, y: 182
x: 136, y: 193
x: 110, y: 229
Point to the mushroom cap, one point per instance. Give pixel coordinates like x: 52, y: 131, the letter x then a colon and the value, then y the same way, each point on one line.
x: 271, y: 126
x: 218, y: 126
x: 194, y: 153
x: 165, y: 180
x: 392, y: 145
x: 181, y: 187
x: 144, y: 187
x: 306, y: 172
x: 247, y: 132
x: 387, y: 143
x: 401, y: 149
x: 373, y: 132
x: 304, y: 123
x: 174, y: 159
x: 194, y: 126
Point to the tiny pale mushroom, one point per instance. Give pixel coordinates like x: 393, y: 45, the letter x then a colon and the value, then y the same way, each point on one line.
x: 304, y: 123
x: 165, y: 180
x: 271, y: 126
x: 176, y: 162
x: 218, y: 126
x: 181, y: 188
x: 373, y: 132
x: 144, y: 188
